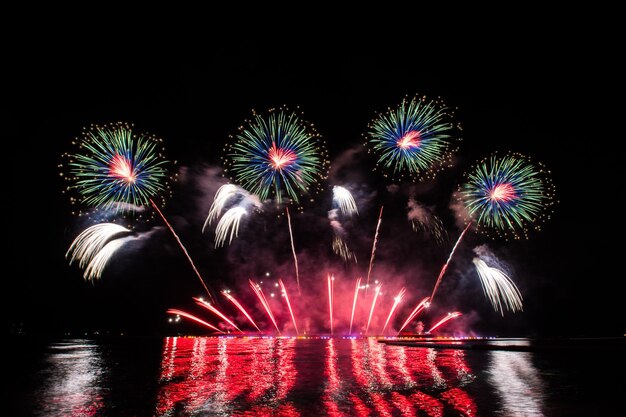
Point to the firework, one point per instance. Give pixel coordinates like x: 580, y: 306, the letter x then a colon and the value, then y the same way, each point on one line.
x: 396, y: 301
x: 293, y: 248
x: 184, y: 249
x: 424, y: 220
x: 278, y: 156
x: 418, y: 309
x: 344, y: 200
x: 215, y: 311
x: 445, y: 266
x: 240, y: 307
x: 239, y: 202
x: 340, y: 247
x: 369, y: 270
x: 376, y: 292
x: 259, y: 293
x: 498, y: 287
x: 194, y: 318
x: 115, y: 168
x: 417, y: 139
x: 293, y: 318
x: 94, y: 246
x: 508, y: 195
x: 447, y: 318
x: 331, y: 288
x: 356, y: 294
x: 228, y: 226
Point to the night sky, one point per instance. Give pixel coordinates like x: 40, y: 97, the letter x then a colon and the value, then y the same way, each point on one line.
x: 546, y: 96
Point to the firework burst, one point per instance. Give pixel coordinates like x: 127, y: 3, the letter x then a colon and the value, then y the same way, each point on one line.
x: 507, y: 195
x: 94, y: 246
x: 415, y: 140
x: 279, y: 156
x: 498, y: 288
x: 116, y: 169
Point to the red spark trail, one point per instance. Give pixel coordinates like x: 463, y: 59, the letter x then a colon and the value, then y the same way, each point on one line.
x: 240, y: 307
x: 356, y: 294
x: 450, y: 316
x: 192, y: 317
x: 418, y: 309
x: 215, y: 311
x: 369, y: 271
x: 396, y: 301
x: 184, y: 250
x: 372, y: 309
x: 445, y: 266
x: 259, y: 293
x: 293, y: 249
x: 331, y: 287
x: 293, y: 318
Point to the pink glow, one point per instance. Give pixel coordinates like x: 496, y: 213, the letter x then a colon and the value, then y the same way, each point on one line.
x: 503, y: 192
x: 281, y: 158
x: 373, y: 305
x: 293, y: 318
x: 331, y: 287
x: 121, y: 168
x: 356, y: 294
x: 410, y: 140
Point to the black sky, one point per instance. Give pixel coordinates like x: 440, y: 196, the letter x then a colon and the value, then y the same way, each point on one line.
x: 549, y: 96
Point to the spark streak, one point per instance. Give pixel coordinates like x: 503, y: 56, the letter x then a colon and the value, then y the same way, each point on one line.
x: 369, y: 271
x: 373, y: 305
x: 396, y: 301
x: 293, y: 249
x: 240, y: 307
x: 215, y: 311
x: 418, y: 309
x: 356, y: 294
x: 293, y: 318
x: 193, y: 266
x: 445, y: 266
x: 194, y: 318
x: 450, y: 316
x: 331, y: 287
x: 259, y: 293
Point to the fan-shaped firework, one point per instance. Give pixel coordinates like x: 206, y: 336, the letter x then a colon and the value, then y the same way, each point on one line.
x: 414, y: 140
x: 508, y: 194
x: 277, y: 156
x: 498, y: 287
x: 94, y: 246
x: 114, y: 168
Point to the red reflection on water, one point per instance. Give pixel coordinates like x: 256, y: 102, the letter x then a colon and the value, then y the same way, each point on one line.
x: 460, y: 401
x: 257, y: 376
x: 427, y: 404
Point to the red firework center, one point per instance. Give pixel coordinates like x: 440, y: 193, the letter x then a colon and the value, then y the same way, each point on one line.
x: 281, y: 158
x: 410, y: 140
x: 503, y: 192
x: 121, y: 168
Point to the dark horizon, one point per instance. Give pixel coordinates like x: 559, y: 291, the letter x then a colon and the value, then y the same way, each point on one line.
x: 530, y: 98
